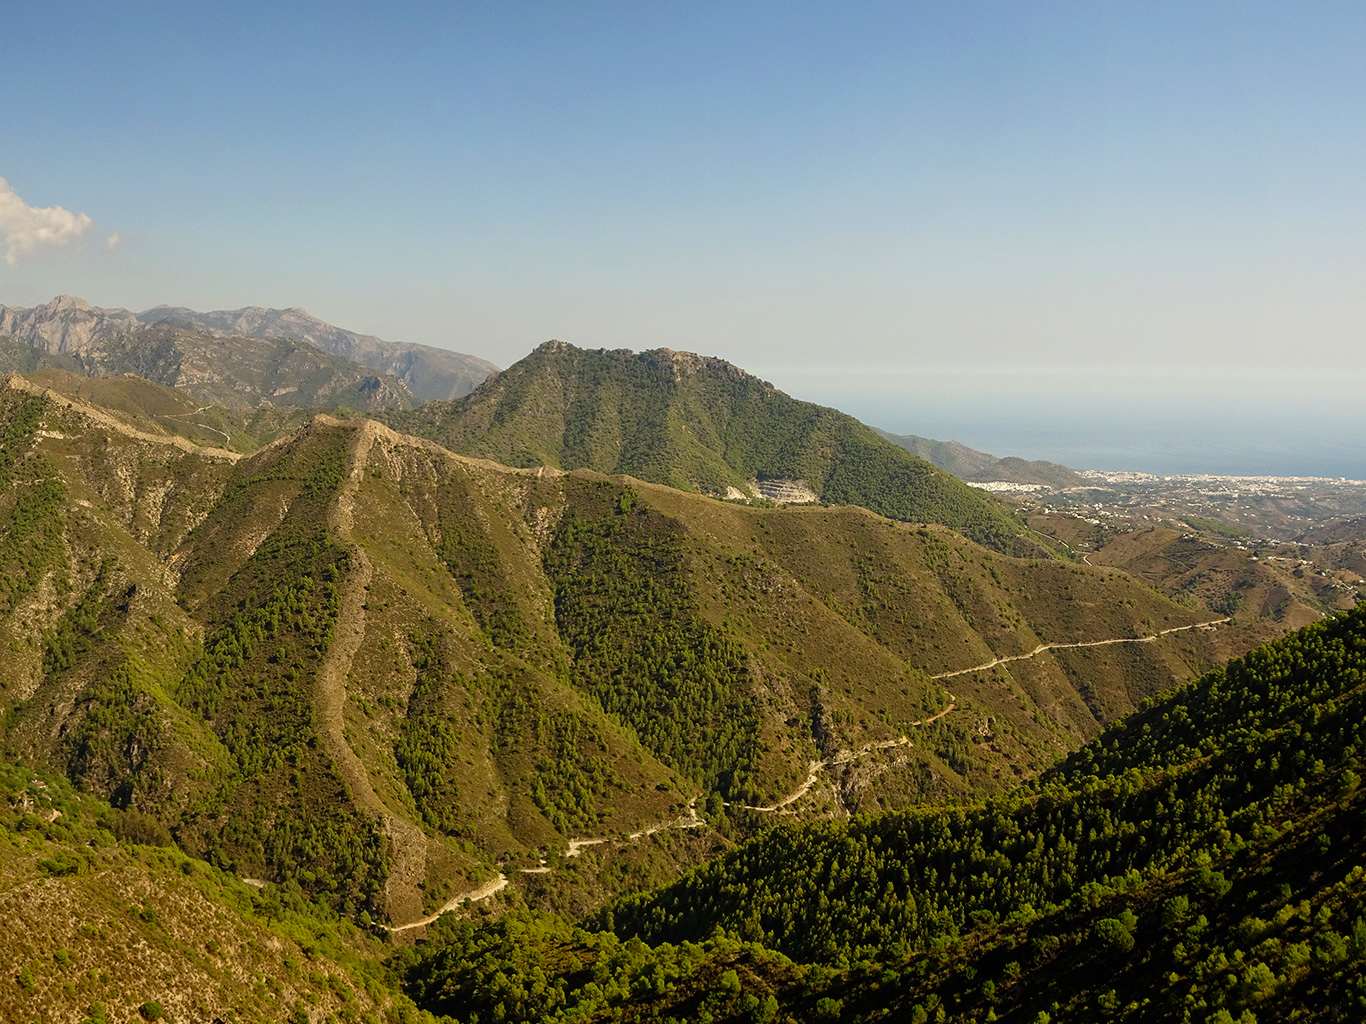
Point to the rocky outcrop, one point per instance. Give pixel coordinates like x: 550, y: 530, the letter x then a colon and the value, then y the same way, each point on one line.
x: 430, y: 373
x: 66, y: 325
x: 785, y: 491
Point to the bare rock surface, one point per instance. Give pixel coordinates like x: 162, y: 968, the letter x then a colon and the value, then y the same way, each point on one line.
x: 71, y: 326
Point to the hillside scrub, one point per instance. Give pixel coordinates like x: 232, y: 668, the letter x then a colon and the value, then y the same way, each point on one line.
x: 1198, y: 888
x: 353, y: 642
x: 698, y: 424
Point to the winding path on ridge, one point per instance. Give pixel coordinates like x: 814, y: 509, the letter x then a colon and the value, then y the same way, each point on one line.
x: 576, y: 847
x: 407, y: 840
x: 1085, y: 643
x: 847, y: 756
x: 689, y: 820
x: 814, y: 768
x: 486, y: 890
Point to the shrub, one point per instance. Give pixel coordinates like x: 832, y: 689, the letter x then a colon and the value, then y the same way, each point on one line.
x: 1113, y: 933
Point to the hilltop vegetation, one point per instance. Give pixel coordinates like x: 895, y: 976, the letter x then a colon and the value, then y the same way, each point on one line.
x: 698, y: 424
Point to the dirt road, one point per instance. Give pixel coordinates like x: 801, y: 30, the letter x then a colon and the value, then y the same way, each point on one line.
x: 1085, y: 643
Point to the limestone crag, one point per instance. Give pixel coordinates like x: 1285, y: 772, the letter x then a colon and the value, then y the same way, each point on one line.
x: 71, y: 326
x: 66, y: 325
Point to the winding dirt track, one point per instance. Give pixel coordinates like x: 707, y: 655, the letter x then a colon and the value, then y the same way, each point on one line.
x: 104, y: 419
x: 1086, y: 643
x: 689, y: 820
x: 576, y: 847
x: 845, y: 757
x: 409, y: 842
x: 692, y: 820
x: 486, y: 890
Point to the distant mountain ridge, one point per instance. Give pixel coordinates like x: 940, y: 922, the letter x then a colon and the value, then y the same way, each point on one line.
x: 70, y: 325
x: 232, y: 372
x: 979, y: 467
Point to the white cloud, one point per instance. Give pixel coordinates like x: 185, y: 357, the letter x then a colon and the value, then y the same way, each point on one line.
x: 112, y: 240
x: 25, y: 227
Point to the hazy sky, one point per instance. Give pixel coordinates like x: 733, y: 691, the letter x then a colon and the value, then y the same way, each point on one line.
x: 1016, y: 218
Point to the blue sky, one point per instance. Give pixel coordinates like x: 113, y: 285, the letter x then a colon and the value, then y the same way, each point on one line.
x: 1012, y: 224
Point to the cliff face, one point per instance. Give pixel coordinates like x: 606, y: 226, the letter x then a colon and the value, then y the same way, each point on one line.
x: 71, y: 326
x: 65, y: 325
x: 430, y: 373
x: 231, y: 372
x: 785, y: 491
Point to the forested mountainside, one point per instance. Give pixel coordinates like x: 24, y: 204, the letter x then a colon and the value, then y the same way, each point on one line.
x: 68, y: 326
x: 1200, y: 861
x: 376, y: 678
x: 699, y: 424
x: 359, y: 662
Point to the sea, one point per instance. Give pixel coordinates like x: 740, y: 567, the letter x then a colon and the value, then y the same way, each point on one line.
x: 1259, y: 439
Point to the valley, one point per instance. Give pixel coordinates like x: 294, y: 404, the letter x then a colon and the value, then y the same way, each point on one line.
x: 491, y: 581
x: 412, y: 697
x: 596, y: 613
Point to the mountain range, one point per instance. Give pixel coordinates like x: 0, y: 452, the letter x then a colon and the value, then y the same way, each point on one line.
x: 68, y: 326
x: 682, y: 697
x: 384, y: 638
x: 70, y: 334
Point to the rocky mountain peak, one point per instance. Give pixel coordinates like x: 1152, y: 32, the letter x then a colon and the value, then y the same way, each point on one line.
x: 688, y: 363
x: 68, y: 302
